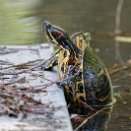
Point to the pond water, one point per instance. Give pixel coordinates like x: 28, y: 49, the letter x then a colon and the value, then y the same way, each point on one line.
x: 20, y: 23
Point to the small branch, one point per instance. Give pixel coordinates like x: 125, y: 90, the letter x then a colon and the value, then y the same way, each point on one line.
x: 30, y: 69
x: 123, y: 39
x: 88, y: 118
x: 23, y: 64
x: 21, y: 80
x: 117, y: 69
x: 118, y: 16
x: 117, y: 30
x: 6, y: 108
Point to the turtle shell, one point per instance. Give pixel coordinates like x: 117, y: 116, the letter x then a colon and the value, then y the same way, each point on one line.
x: 97, y: 84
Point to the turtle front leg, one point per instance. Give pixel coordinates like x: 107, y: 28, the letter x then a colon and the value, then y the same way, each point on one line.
x: 50, y: 64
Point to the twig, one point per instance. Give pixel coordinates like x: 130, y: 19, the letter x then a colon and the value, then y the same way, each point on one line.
x: 43, y: 62
x: 6, y: 108
x: 21, y: 80
x: 123, y: 39
x: 39, y: 75
x: 23, y: 64
x: 118, y: 16
x: 5, y: 63
x: 117, y: 69
x: 88, y: 118
x: 117, y: 30
x: 30, y: 69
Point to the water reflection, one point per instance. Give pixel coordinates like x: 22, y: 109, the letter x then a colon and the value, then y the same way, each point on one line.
x: 96, y: 122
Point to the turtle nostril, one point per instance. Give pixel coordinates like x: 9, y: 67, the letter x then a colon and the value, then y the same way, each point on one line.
x: 46, y: 22
x: 46, y: 26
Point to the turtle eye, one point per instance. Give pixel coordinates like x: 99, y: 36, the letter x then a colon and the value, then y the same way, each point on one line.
x: 59, y: 32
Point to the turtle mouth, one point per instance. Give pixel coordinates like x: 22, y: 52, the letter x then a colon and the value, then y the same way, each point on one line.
x: 46, y: 26
x: 47, y: 29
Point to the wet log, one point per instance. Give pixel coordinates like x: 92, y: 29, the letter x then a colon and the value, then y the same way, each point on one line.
x: 29, y: 96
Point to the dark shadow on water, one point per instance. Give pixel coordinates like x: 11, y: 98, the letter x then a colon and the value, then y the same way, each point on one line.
x: 96, y: 122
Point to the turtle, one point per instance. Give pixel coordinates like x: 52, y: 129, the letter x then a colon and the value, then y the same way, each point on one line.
x: 83, y: 75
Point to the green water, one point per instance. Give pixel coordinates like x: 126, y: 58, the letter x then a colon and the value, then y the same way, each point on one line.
x: 16, y: 27
x: 20, y: 21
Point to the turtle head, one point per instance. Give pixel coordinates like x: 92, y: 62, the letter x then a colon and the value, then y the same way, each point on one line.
x: 59, y: 37
x: 56, y: 35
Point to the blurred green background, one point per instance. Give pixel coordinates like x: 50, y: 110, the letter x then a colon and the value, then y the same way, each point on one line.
x: 21, y: 20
